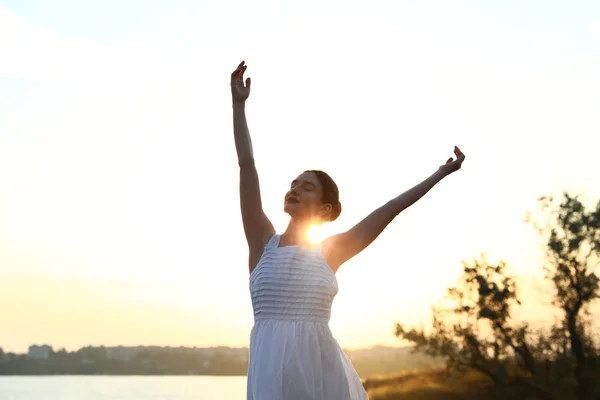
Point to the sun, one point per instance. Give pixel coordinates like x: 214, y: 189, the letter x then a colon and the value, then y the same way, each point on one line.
x: 315, y: 234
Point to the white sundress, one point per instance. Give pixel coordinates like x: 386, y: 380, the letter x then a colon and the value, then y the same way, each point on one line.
x: 293, y: 354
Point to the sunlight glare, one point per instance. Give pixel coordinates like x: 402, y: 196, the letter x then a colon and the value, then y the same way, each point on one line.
x: 315, y: 234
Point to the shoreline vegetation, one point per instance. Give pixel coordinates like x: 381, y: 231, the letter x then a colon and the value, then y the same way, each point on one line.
x: 214, y: 361
x: 439, y: 384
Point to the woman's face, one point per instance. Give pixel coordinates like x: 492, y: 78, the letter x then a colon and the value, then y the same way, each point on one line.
x: 303, y: 200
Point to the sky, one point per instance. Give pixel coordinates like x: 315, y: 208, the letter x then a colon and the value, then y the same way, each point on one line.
x: 119, y: 207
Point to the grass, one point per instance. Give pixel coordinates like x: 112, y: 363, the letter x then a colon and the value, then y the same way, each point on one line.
x: 438, y: 384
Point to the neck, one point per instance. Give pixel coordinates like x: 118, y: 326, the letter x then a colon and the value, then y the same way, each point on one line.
x: 295, y: 234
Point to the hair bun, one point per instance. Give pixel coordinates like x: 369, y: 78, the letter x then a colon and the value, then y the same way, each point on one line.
x: 336, y: 210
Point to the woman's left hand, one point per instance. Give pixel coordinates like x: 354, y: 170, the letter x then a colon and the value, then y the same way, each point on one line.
x: 453, y: 165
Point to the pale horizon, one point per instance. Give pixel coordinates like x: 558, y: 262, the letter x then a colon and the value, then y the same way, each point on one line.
x: 119, y: 207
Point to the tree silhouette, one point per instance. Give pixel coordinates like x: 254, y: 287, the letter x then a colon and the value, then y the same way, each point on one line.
x: 473, y: 329
x: 572, y: 235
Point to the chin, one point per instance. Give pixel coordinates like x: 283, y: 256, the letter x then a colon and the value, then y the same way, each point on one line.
x: 289, y: 209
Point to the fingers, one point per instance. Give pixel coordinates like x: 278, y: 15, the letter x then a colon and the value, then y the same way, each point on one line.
x: 248, y: 81
x: 239, y: 71
x: 453, y: 165
x: 459, y: 154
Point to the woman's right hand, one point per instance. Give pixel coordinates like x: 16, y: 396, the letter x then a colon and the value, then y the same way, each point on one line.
x: 239, y: 92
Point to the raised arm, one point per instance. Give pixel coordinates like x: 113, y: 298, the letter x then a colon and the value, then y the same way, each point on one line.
x: 257, y: 227
x: 341, y: 247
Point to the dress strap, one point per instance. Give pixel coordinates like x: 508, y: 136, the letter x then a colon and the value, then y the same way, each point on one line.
x: 274, y: 241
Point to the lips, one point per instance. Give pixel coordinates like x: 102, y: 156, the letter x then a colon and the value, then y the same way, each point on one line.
x: 293, y: 200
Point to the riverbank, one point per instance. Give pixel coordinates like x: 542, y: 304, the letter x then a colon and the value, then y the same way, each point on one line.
x: 440, y: 384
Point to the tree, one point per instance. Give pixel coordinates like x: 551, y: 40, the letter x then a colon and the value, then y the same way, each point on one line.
x: 572, y: 235
x: 473, y: 328
x: 91, y: 353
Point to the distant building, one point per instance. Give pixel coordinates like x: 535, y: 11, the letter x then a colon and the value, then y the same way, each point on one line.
x: 39, y: 352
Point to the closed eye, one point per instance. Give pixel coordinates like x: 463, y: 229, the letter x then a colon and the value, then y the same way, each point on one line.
x: 305, y: 185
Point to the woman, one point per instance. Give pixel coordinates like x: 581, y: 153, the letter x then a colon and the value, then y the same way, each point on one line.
x: 293, y: 355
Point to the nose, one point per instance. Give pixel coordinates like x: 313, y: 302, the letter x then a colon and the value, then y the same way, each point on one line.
x: 293, y: 191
